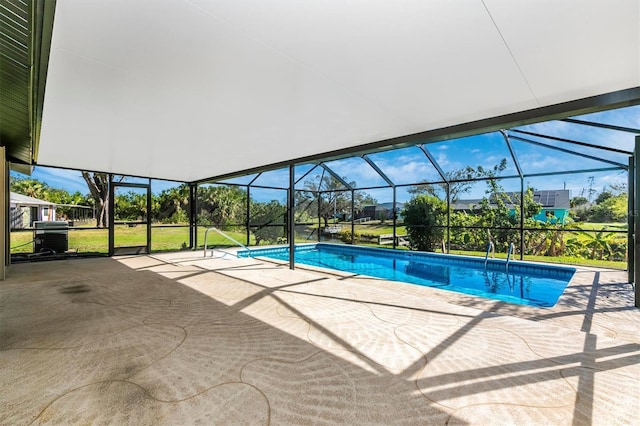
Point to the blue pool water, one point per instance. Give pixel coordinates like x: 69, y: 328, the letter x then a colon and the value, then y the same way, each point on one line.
x: 521, y: 283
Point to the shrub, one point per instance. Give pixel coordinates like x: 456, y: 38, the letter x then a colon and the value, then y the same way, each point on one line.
x: 424, y: 218
x: 345, y: 236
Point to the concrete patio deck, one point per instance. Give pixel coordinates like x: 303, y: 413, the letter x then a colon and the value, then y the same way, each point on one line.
x: 178, y: 339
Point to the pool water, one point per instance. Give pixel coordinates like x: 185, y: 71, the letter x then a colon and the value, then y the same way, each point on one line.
x: 519, y: 282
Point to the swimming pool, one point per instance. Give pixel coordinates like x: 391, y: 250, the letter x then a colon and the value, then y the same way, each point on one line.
x: 521, y: 283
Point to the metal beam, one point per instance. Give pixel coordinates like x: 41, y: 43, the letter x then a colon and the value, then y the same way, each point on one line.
x: 603, y: 169
x: 306, y: 174
x: 578, y: 143
x: 193, y: 223
x: 353, y: 215
x: 433, y: 162
x: 5, y: 247
x: 148, y: 218
x: 336, y: 176
x: 631, y: 220
x: 636, y: 196
x: 291, y: 201
x: 110, y: 215
x: 248, y: 212
x: 375, y: 167
x: 254, y: 179
x: 519, y: 169
x: 602, y: 125
x: 568, y: 151
x: 513, y: 154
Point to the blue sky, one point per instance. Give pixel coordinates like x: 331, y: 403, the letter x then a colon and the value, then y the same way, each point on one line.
x: 72, y: 181
x: 409, y: 165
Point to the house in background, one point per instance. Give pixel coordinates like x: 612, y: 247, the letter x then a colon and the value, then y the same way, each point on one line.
x: 25, y: 210
x: 555, y: 204
x: 381, y: 211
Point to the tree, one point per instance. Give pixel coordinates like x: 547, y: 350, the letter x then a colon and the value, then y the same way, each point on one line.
x: 460, y: 181
x: 131, y: 206
x: 618, y: 188
x: 221, y: 205
x: 65, y: 201
x: 325, y: 196
x: 173, y: 205
x: 592, y: 191
x: 611, y: 209
x: 98, y: 184
x: 267, y: 221
x: 603, y: 196
x: 29, y: 187
x: 42, y: 191
x: 578, y: 201
x: 425, y: 218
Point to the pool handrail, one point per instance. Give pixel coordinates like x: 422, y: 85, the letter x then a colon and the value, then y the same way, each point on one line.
x: 213, y: 228
x: 490, y: 248
x: 509, y: 252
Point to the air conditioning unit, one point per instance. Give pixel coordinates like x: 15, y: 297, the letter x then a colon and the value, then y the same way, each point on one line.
x: 52, y: 236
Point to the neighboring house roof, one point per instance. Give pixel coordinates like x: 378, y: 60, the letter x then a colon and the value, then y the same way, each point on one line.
x: 24, y: 200
x: 386, y: 206
x: 557, y: 198
x: 549, y: 199
x: 389, y: 206
x: 467, y: 204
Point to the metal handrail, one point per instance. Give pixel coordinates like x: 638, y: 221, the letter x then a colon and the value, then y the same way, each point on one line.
x: 213, y: 228
x: 490, y: 248
x: 509, y: 252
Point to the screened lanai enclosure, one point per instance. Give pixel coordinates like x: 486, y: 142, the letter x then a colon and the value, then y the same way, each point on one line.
x: 513, y: 140
x: 567, y: 187
x: 556, y: 191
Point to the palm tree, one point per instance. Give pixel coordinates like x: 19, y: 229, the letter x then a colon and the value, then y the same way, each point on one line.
x: 600, y: 244
x: 30, y: 187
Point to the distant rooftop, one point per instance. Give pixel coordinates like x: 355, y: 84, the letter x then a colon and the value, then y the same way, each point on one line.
x: 548, y: 198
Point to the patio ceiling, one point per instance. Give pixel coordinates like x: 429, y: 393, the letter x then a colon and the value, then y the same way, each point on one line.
x: 187, y: 90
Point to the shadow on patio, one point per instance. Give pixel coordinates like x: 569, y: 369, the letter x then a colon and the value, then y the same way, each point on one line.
x: 170, y: 340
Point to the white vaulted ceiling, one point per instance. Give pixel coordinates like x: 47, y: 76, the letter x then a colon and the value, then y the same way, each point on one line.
x: 187, y: 90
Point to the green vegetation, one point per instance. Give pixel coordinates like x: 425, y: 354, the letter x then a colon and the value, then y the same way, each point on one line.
x: 96, y: 241
x: 425, y: 218
x: 596, y: 235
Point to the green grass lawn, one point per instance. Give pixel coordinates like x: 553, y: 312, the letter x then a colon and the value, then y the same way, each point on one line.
x: 567, y: 260
x: 173, y: 238
x: 165, y: 238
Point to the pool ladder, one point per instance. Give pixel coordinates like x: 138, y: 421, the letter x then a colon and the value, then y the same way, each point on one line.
x: 490, y: 249
x: 510, y: 251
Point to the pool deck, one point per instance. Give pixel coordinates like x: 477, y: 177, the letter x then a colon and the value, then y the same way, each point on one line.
x: 178, y: 339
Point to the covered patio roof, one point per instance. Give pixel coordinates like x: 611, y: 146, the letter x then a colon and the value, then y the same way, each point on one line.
x: 189, y: 90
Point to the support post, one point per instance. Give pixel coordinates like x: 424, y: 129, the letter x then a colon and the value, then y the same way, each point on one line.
x: 395, y: 219
x: 193, y: 223
x: 448, y: 217
x: 521, y: 217
x: 248, y: 215
x: 291, y: 225
x: 149, y: 216
x: 110, y: 216
x: 4, y: 245
x: 353, y: 215
x: 636, y: 197
x: 319, y: 194
x: 631, y: 221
